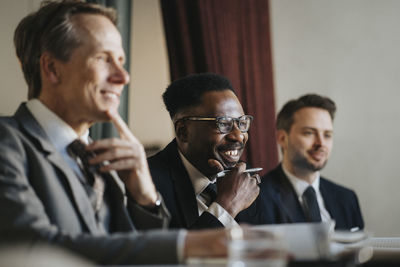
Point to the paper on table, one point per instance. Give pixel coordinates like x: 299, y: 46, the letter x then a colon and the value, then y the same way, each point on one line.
x: 380, y: 247
x: 385, y: 247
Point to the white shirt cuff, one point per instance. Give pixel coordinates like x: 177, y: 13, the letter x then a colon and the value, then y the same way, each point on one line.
x: 222, y: 215
x: 180, y: 245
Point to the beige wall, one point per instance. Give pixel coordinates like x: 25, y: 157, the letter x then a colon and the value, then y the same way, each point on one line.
x: 348, y: 50
x: 13, y: 87
x: 149, y: 119
x: 343, y: 49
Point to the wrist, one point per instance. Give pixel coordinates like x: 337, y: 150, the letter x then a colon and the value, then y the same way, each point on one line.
x: 155, y: 205
x: 147, y: 199
x: 228, y: 207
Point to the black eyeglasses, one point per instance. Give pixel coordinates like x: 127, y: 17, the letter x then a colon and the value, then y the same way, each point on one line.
x: 225, y: 124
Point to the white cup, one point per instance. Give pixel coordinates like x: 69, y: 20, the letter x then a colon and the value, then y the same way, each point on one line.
x: 256, y: 247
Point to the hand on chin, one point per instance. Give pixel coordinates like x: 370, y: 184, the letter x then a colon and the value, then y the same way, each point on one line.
x: 215, y: 165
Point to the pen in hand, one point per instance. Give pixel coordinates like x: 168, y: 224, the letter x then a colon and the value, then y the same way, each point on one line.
x: 222, y: 173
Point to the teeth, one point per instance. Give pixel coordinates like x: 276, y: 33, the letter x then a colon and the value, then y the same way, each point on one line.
x: 231, y: 153
x: 111, y: 95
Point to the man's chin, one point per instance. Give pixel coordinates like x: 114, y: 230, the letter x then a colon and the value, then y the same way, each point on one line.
x: 103, y: 114
x: 317, y: 167
x: 228, y: 164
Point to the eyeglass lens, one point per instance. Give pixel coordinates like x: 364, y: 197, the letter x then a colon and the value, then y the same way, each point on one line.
x: 225, y: 125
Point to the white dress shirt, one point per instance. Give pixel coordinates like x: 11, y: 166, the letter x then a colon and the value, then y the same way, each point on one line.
x: 58, y: 131
x: 61, y: 135
x: 200, y: 182
x: 300, y: 186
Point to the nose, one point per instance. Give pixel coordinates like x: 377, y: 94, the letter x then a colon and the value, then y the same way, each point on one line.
x: 119, y: 75
x: 319, y: 140
x: 236, y: 135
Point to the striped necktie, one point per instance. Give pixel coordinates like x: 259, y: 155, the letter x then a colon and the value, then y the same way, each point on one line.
x: 91, y: 173
x: 209, y: 193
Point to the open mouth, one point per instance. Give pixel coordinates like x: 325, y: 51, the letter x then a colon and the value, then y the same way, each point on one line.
x: 110, y: 95
x: 230, y: 156
x: 317, y: 155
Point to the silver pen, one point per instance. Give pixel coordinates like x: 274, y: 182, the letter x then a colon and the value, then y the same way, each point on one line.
x: 222, y: 173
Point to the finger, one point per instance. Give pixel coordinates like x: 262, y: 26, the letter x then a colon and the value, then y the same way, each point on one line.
x: 252, y: 181
x: 215, y: 165
x: 106, y: 144
x: 257, y: 178
x: 241, y: 166
x: 121, y: 126
x: 120, y: 165
x: 238, y: 170
x: 113, y: 155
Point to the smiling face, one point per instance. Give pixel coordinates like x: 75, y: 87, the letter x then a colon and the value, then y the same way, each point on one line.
x: 92, y: 80
x: 202, y: 141
x: 306, y: 148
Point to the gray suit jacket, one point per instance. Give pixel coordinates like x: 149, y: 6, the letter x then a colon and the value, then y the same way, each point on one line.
x: 42, y: 200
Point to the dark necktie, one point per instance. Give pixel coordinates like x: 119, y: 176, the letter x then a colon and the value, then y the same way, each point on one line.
x: 311, y: 207
x: 209, y: 193
x: 90, y: 172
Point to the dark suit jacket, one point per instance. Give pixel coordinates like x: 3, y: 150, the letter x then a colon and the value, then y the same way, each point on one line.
x: 281, y: 203
x: 174, y: 184
x: 42, y: 200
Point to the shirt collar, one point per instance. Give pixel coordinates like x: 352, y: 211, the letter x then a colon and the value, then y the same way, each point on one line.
x: 58, y: 131
x: 199, y: 180
x: 300, y: 185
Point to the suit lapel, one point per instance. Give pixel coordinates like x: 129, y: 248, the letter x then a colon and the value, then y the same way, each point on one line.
x: 287, y: 197
x: 329, y: 200
x: 117, y: 200
x: 78, y: 192
x: 183, y: 186
x: 33, y: 129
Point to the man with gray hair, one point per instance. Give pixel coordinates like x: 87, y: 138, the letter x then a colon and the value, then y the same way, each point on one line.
x: 56, y: 186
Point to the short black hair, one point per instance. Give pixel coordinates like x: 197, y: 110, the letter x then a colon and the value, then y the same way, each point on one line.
x: 187, y: 91
x: 285, y: 116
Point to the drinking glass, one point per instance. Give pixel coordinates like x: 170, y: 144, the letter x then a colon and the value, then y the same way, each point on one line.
x: 256, y: 247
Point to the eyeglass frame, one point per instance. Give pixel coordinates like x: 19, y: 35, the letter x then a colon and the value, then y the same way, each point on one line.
x: 217, y: 119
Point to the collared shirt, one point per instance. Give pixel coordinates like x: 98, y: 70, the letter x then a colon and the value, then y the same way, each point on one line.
x: 200, y: 182
x: 58, y: 131
x: 300, y: 186
x: 61, y: 135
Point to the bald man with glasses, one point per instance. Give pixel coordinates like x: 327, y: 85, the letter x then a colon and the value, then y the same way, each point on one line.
x: 199, y: 174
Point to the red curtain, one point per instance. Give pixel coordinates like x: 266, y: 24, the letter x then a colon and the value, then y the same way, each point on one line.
x: 231, y: 38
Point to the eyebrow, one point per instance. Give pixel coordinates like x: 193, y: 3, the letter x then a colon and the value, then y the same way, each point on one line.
x: 315, y: 129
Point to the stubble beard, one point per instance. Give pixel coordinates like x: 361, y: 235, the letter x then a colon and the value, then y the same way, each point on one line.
x: 301, y: 162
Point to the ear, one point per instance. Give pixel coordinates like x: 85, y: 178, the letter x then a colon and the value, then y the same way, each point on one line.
x: 50, y: 68
x: 282, y: 138
x: 181, y: 131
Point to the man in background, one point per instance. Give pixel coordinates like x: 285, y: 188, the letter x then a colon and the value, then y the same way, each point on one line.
x: 295, y: 191
x: 211, y: 132
x: 56, y: 189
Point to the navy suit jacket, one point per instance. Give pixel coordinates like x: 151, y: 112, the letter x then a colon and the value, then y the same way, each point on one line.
x: 282, y: 205
x: 174, y: 184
